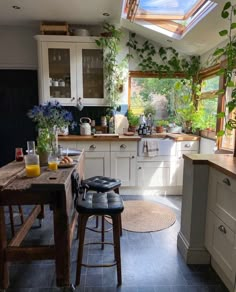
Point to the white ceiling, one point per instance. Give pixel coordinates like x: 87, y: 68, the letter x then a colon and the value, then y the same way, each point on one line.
x: 203, y: 37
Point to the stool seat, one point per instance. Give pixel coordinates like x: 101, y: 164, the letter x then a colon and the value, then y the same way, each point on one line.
x: 100, y: 204
x: 102, y: 183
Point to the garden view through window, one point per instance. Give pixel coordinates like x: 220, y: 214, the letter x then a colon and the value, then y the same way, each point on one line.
x: 170, y: 99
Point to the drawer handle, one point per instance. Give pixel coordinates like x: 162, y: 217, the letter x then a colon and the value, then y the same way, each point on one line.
x: 132, y: 157
x: 140, y: 167
x: 92, y: 147
x: 187, y: 145
x: 226, y: 181
x: 123, y: 146
x: 222, y: 229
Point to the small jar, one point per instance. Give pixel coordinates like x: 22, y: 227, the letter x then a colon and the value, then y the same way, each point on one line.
x: 103, y: 121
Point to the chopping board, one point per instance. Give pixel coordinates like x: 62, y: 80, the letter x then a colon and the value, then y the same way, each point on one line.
x: 121, y: 124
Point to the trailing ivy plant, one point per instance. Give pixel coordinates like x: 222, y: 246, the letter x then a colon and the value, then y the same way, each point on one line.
x: 170, y: 62
x: 115, y: 72
x: 228, y: 52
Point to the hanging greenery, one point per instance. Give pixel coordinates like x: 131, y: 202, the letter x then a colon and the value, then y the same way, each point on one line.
x: 170, y: 63
x: 115, y: 72
x: 228, y: 52
x: 170, y: 60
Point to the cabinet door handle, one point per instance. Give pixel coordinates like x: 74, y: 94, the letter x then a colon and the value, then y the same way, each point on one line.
x: 132, y: 157
x: 222, y: 229
x: 226, y: 181
x: 123, y: 146
x: 187, y: 145
x: 92, y: 147
x: 140, y: 167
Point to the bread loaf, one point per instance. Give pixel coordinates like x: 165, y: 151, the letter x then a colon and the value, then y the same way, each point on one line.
x: 66, y: 160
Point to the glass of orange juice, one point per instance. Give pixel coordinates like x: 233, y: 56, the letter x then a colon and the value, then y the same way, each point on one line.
x: 53, y: 161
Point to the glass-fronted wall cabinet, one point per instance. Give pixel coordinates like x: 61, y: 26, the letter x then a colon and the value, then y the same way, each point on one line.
x: 69, y: 68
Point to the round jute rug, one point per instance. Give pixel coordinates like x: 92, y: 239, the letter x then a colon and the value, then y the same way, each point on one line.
x: 146, y: 216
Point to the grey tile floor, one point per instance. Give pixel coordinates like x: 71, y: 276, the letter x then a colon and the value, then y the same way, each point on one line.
x: 150, y: 262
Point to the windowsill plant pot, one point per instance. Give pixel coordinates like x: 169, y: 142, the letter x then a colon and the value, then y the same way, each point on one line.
x: 159, y: 129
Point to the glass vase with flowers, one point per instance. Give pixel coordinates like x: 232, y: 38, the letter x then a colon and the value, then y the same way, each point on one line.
x: 49, y: 117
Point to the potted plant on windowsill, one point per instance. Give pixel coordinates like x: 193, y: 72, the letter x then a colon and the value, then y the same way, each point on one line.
x: 49, y: 118
x: 133, y: 121
x: 161, y: 125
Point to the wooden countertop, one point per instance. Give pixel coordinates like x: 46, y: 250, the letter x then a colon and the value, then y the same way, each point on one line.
x: 176, y: 137
x: 225, y: 163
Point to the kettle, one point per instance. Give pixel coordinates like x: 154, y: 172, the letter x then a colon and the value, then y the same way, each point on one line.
x: 85, y: 128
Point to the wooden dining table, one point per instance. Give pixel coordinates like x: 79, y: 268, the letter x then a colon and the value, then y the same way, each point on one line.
x: 53, y: 188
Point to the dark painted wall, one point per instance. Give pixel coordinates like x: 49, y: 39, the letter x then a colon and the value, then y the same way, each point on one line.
x: 18, y: 93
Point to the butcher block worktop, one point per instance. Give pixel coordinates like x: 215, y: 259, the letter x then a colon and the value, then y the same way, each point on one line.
x: 176, y: 137
x: 225, y: 163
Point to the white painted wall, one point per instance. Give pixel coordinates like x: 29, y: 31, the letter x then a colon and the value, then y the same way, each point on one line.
x: 207, y: 146
x: 18, y: 48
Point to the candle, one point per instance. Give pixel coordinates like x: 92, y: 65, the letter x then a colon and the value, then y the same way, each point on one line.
x: 52, y: 165
x: 32, y: 170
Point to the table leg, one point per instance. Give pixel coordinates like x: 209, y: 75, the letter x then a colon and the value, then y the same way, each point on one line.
x: 62, y: 247
x: 4, y: 275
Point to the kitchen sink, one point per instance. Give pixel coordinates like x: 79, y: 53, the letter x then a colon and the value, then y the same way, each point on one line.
x: 165, y: 146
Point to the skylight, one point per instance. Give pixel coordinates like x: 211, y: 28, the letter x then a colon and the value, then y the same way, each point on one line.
x: 171, y: 17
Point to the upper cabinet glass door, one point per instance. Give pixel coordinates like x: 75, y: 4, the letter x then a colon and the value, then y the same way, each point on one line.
x: 70, y: 68
x: 92, y: 62
x: 59, y: 71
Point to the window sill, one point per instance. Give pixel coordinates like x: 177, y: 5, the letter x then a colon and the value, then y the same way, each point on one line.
x: 209, y: 134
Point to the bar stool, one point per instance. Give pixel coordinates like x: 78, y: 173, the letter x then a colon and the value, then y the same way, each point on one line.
x: 101, y: 184
x: 100, y: 204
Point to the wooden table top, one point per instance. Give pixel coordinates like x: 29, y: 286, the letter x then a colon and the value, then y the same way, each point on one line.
x: 13, y: 177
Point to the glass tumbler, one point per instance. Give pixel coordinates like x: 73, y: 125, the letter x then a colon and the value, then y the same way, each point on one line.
x: 19, y: 156
x: 53, y: 161
x: 32, y: 166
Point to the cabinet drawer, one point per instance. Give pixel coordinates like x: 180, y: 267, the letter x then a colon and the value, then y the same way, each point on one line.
x: 222, y: 197
x: 220, y: 243
x: 92, y: 146
x: 188, y: 145
x: 124, y: 146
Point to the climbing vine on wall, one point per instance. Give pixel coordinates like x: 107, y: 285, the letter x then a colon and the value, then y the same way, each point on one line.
x: 171, y: 61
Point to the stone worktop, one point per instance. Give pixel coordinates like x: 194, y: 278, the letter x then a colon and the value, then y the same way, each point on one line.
x: 176, y: 137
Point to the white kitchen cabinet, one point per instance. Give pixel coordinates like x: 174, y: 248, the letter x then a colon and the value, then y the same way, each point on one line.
x: 184, y: 147
x: 112, y: 159
x: 156, y: 174
x: 97, y: 158
x: 97, y: 163
x: 123, y: 162
x: 123, y: 166
x: 221, y: 222
x: 69, y: 68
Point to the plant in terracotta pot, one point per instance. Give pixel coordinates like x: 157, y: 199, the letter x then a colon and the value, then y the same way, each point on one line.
x: 161, y: 125
x: 133, y: 121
